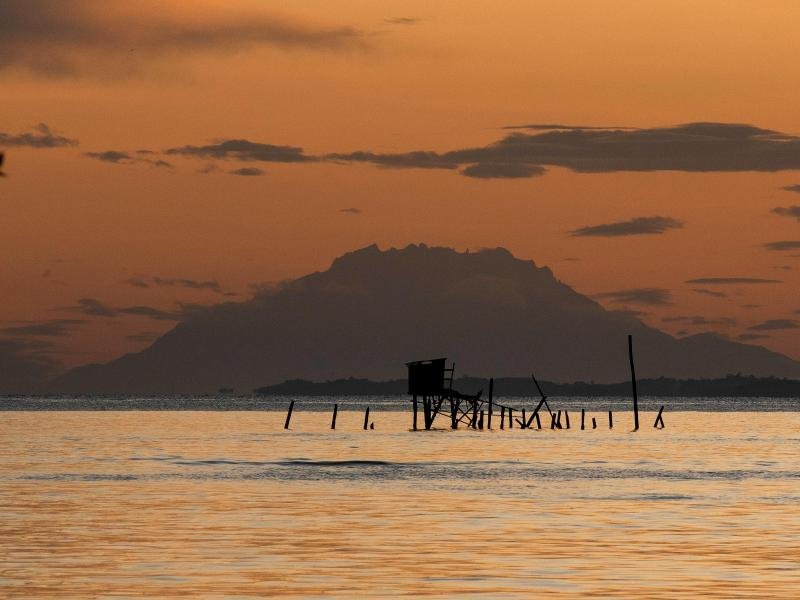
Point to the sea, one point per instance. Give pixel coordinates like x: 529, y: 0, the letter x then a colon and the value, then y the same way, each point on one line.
x: 210, y: 497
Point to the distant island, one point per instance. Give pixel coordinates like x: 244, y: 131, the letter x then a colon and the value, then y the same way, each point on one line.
x: 729, y: 386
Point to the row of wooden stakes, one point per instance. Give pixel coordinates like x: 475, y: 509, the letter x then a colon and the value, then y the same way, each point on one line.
x: 478, y: 423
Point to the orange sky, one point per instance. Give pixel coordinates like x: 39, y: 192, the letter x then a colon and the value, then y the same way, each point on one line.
x: 386, y: 77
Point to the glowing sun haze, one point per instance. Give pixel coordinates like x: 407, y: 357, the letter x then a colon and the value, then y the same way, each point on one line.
x: 192, y: 150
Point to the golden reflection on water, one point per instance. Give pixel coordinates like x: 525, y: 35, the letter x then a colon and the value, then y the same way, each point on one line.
x: 228, y: 505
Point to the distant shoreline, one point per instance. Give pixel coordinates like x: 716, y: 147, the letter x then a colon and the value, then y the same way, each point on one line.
x: 731, y: 386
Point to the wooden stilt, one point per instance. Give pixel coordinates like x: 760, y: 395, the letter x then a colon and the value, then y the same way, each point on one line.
x: 502, y: 417
x: 474, y: 414
x: 289, y: 415
x: 633, y: 385
x: 566, y: 416
x: 538, y: 421
x: 524, y: 423
x: 583, y: 419
x: 415, y: 413
x: 552, y: 420
x: 453, y: 414
x: 610, y: 420
x: 491, y: 399
x: 659, y: 424
x: 510, y: 418
x: 480, y: 421
x: 366, y: 418
x: 426, y: 403
x: 333, y: 418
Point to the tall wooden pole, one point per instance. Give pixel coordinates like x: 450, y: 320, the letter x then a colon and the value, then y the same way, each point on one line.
x: 633, y: 383
x: 491, y: 389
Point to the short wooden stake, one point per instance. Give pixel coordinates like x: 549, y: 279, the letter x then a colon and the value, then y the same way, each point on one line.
x: 552, y: 420
x: 372, y: 425
x: 333, y: 418
x: 558, y: 420
x: 610, y: 420
x: 502, y: 417
x: 366, y: 418
x: 659, y: 424
x: 289, y: 415
x: 594, y: 423
x: 583, y: 419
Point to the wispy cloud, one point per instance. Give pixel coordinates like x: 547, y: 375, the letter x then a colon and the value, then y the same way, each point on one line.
x: 41, y: 137
x: 783, y: 245
x: 731, y: 280
x: 59, y: 38
x: 49, y: 328
x: 792, y: 188
x: 402, y: 20
x: 714, y: 293
x: 788, y: 211
x: 636, y: 226
x: 647, y: 296
x: 351, y: 211
x: 776, y: 325
x: 700, y: 321
x: 248, y: 172
x: 243, y: 150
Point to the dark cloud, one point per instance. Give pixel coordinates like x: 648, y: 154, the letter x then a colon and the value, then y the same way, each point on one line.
x: 41, y: 137
x: 648, y: 296
x: 248, y: 172
x: 637, y: 226
x: 782, y: 246
x: 490, y: 170
x: 788, y: 211
x: 700, y: 321
x: 137, y: 282
x: 696, y: 147
x: 244, y: 150
x: 95, y: 308
x: 351, y: 211
x: 775, y: 325
x: 60, y: 38
x: 402, y: 20
x: 552, y: 126
x: 792, y: 188
x: 713, y: 293
x: 112, y: 156
x: 50, y: 328
x: 122, y: 157
x: 750, y: 337
x: 25, y: 365
x: 731, y: 280
x: 187, y: 283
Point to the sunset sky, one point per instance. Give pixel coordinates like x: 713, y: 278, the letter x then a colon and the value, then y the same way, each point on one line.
x: 162, y: 155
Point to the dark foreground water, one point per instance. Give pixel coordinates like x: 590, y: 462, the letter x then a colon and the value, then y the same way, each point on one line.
x: 128, y: 504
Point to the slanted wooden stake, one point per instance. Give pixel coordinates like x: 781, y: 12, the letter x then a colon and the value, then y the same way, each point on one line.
x: 289, y: 415
x: 583, y: 419
x: 502, y: 417
x: 333, y: 418
x: 366, y: 418
x: 491, y: 390
x: 633, y: 384
x: 610, y: 420
x: 566, y: 416
x: 538, y: 421
x: 659, y: 424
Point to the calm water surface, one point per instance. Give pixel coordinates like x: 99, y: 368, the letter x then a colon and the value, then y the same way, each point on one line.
x: 124, y: 504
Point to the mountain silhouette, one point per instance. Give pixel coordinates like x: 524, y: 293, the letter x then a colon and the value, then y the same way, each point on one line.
x: 372, y: 311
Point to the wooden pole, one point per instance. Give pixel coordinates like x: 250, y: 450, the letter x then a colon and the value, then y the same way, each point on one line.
x: 491, y: 390
x: 289, y: 415
x: 594, y: 423
x: 583, y: 419
x: 659, y: 419
x: 633, y: 384
x: 538, y: 421
x: 366, y: 418
x: 558, y: 420
x: 333, y: 418
x: 453, y: 414
x: 415, y: 412
x: 524, y: 423
x: 480, y: 421
x: 510, y: 418
x: 566, y: 416
x: 426, y: 405
x: 610, y: 420
x: 474, y: 413
x: 552, y: 420
x: 502, y: 417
